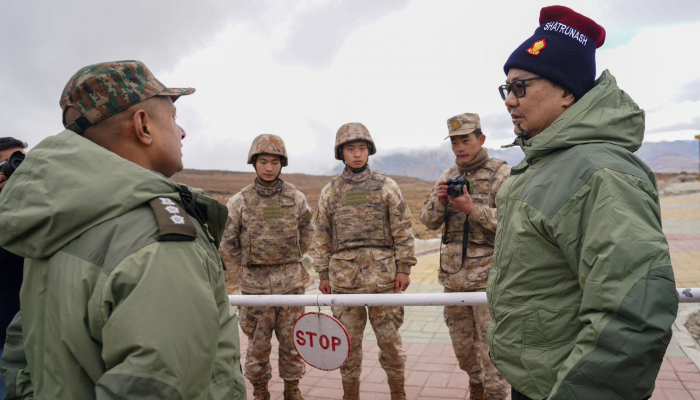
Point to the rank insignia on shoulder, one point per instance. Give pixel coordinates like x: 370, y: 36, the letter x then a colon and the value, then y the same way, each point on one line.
x: 173, y: 222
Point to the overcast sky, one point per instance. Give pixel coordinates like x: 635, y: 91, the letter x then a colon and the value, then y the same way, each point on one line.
x: 302, y: 69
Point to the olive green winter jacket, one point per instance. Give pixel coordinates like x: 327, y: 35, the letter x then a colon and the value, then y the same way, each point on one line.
x: 581, y: 289
x: 124, y: 294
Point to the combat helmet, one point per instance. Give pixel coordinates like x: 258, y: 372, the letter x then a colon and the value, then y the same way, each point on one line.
x: 268, y: 144
x: 350, y: 133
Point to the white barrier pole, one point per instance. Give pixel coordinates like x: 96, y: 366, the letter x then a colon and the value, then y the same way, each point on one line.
x: 686, y: 295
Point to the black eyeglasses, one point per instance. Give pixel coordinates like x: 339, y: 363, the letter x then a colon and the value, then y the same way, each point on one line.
x: 517, y: 87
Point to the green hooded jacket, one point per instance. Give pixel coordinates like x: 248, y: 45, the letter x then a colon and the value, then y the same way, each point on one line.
x: 124, y: 294
x: 581, y: 289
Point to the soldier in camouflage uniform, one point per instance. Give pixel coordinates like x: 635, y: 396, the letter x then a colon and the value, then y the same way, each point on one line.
x: 270, y: 230
x: 365, y: 245
x: 468, y: 272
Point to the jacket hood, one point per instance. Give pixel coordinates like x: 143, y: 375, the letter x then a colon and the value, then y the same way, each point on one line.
x: 606, y: 114
x: 67, y: 185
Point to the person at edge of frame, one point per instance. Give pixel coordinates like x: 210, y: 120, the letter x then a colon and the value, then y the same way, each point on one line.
x: 465, y: 268
x: 270, y: 229
x: 364, y: 244
x: 581, y: 289
x: 123, y: 294
x: 11, y: 266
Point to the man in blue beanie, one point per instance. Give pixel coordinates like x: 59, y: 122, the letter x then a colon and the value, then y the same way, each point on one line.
x: 581, y: 289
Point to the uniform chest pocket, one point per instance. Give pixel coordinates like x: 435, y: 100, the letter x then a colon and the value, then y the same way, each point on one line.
x: 272, y: 235
x: 359, y: 216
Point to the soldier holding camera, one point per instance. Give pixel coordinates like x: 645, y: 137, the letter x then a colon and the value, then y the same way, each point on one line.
x: 463, y: 202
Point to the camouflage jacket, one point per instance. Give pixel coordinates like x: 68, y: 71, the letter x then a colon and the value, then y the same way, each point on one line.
x: 484, y: 183
x: 354, y: 217
x: 267, y: 235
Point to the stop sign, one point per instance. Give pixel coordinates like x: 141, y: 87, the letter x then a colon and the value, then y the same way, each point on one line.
x: 321, y: 341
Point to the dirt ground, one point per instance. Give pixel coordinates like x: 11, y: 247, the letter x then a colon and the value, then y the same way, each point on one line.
x: 221, y: 185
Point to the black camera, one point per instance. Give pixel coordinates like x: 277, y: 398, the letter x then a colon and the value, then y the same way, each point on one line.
x: 9, y: 166
x: 455, y: 186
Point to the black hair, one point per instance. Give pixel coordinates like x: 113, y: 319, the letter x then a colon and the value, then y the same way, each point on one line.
x: 11, y: 143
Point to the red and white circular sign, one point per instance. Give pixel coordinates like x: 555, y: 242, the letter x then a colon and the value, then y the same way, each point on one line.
x: 321, y: 341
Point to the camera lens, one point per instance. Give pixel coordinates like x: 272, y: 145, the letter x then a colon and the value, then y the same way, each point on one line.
x: 454, y: 191
x: 9, y: 166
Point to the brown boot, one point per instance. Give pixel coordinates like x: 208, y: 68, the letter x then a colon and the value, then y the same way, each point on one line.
x: 260, y: 391
x: 476, y: 391
x: 351, y: 390
x: 291, y: 390
x: 396, y: 389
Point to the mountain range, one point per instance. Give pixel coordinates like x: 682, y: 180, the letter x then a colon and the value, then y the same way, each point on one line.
x: 428, y: 164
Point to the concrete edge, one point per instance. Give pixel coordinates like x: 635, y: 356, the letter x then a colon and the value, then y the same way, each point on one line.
x: 685, y: 339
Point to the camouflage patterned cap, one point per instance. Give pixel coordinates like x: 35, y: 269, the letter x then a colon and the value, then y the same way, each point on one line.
x: 350, y: 133
x: 268, y: 144
x: 463, y: 124
x: 101, y: 90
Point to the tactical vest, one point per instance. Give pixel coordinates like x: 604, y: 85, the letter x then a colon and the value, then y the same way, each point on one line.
x: 359, y: 215
x: 480, y: 185
x: 270, y: 231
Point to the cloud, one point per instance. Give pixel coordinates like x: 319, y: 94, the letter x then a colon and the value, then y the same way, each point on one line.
x: 689, y: 92
x: 498, y: 126
x: 316, y: 156
x: 651, y: 12
x: 318, y: 34
x: 694, y: 124
x: 45, y: 42
x: 301, y: 69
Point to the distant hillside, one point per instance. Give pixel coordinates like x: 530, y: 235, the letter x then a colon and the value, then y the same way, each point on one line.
x: 221, y: 185
x: 428, y: 164
x: 678, y: 156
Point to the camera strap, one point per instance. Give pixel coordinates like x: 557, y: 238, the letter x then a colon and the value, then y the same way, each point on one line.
x: 465, y: 237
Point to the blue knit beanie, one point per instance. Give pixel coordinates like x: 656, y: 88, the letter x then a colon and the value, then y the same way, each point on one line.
x: 562, y: 50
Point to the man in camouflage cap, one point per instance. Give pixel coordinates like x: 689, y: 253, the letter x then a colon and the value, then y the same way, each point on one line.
x: 124, y: 293
x: 468, y: 231
x: 270, y: 229
x: 364, y: 244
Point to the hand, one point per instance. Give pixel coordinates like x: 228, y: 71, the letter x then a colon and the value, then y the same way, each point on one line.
x: 463, y: 203
x: 442, y: 192
x: 3, y: 180
x: 325, y: 286
x: 402, y: 281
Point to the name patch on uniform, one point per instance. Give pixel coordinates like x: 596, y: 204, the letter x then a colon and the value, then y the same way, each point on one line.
x: 356, y: 198
x: 272, y: 212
